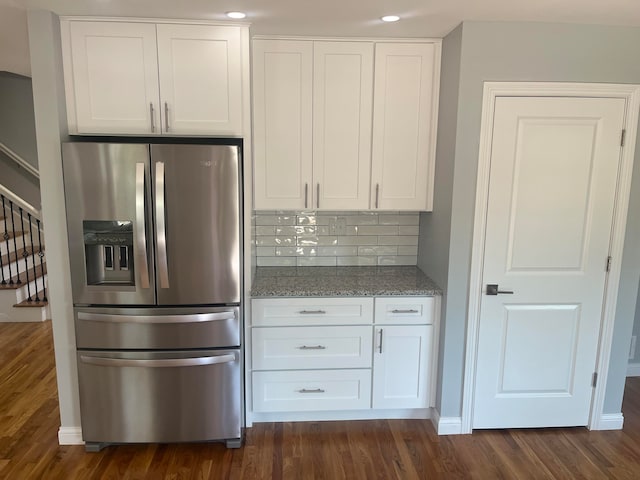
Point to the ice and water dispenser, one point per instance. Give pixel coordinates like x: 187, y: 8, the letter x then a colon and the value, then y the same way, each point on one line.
x: 108, y: 249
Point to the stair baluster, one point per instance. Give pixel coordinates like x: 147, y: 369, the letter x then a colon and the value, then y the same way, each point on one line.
x: 15, y: 244
x: 25, y: 254
x: 3, y: 282
x: 41, y: 255
x: 7, y: 236
x: 33, y: 257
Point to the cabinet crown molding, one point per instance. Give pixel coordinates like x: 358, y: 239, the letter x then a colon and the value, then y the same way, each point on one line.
x: 434, y: 40
x: 156, y: 21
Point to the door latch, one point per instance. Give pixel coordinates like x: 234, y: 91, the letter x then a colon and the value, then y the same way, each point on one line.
x: 492, y: 289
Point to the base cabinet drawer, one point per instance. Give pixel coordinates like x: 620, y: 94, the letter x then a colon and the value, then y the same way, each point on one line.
x: 311, y: 390
x: 284, y: 348
x: 405, y: 310
x: 311, y: 311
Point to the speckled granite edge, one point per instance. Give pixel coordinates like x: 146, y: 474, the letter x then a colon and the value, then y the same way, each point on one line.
x: 342, y: 281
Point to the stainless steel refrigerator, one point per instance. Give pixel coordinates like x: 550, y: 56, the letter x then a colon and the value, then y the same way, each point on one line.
x: 155, y: 250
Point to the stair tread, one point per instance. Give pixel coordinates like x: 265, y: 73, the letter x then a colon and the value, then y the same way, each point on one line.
x: 40, y: 271
x: 32, y: 303
x: 11, y: 257
x: 17, y: 233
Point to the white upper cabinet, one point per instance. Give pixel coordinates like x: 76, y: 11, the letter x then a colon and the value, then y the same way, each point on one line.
x: 312, y: 124
x: 404, y: 125
x: 200, y: 74
x: 339, y: 128
x: 282, y: 98
x: 111, y: 75
x: 148, y: 79
x: 342, y: 103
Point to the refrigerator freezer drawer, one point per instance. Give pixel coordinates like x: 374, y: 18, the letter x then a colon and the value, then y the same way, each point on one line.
x: 128, y: 328
x: 131, y: 397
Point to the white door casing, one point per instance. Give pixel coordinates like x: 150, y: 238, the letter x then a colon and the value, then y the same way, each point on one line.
x: 537, y: 349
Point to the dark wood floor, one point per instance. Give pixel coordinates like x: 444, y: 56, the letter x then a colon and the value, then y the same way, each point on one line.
x: 403, y: 449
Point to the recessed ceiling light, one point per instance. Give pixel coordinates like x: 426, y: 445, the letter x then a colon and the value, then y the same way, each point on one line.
x: 390, y: 18
x: 236, y: 15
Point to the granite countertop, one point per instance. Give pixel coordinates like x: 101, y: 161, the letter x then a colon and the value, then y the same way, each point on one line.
x: 341, y: 281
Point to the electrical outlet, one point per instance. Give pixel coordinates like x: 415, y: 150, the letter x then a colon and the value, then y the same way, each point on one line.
x: 632, y: 349
x: 338, y: 226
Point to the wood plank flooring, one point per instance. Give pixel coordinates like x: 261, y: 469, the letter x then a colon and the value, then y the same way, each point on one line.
x: 393, y: 449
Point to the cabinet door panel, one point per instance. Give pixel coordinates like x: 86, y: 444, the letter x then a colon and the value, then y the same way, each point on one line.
x: 282, y: 85
x: 401, y: 366
x: 342, y: 104
x: 405, y: 102
x: 114, y: 73
x: 200, y: 75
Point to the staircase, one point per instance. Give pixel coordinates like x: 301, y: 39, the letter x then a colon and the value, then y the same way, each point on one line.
x: 23, y: 271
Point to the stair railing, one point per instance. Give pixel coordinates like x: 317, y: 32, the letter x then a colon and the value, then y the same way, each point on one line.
x: 24, y: 241
x: 21, y: 162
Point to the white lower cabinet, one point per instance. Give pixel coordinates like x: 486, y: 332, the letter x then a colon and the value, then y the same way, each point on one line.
x: 364, y: 357
x: 401, y: 362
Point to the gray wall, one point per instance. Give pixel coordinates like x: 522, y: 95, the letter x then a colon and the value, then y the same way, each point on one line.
x: 435, y: 227
x: 19, y: 181
x: 17, y: 123
x: 636, y: 331
x: 18, y: 132
x: 495, y: 51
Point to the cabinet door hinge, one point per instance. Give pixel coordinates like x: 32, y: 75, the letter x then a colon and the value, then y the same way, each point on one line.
x: 594, y: 379
x: 608, y: 267
x: 622, y: 137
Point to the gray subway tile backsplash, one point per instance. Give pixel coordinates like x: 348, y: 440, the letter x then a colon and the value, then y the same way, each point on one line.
x: 308, y: 238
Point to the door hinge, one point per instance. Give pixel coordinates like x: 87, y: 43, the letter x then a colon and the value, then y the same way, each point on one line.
x: 594, y: 379
x: 622, y: 137
x: 608, y: 268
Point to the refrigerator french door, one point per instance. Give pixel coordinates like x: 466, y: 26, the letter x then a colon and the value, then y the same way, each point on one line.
x: 155, y: 252
x: 153, y: 224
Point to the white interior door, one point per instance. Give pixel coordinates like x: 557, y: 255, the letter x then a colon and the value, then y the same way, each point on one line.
x: 553, y: 175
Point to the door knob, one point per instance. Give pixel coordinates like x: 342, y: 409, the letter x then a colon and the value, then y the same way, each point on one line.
x: 492, y: 289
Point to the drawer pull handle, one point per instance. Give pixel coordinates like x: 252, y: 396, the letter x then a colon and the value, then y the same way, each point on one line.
x: 312, y: 347
x: 308, y: 390
x: 405, y: 311
x: 312, y: 312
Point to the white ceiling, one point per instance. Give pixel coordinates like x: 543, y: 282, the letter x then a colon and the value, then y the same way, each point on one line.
x: 420, y: 18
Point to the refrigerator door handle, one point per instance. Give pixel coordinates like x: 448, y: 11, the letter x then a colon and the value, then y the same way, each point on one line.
x: 153, y: 319
x: 161, y: 231
x: 158, y: 363
x: 141, y: 253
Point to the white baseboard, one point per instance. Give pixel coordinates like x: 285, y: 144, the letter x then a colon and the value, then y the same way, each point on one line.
x: 633, y: 370
x: 446, y: 425
x: 610, y: 421
x: 70, y: 436
x: 372, y: 414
